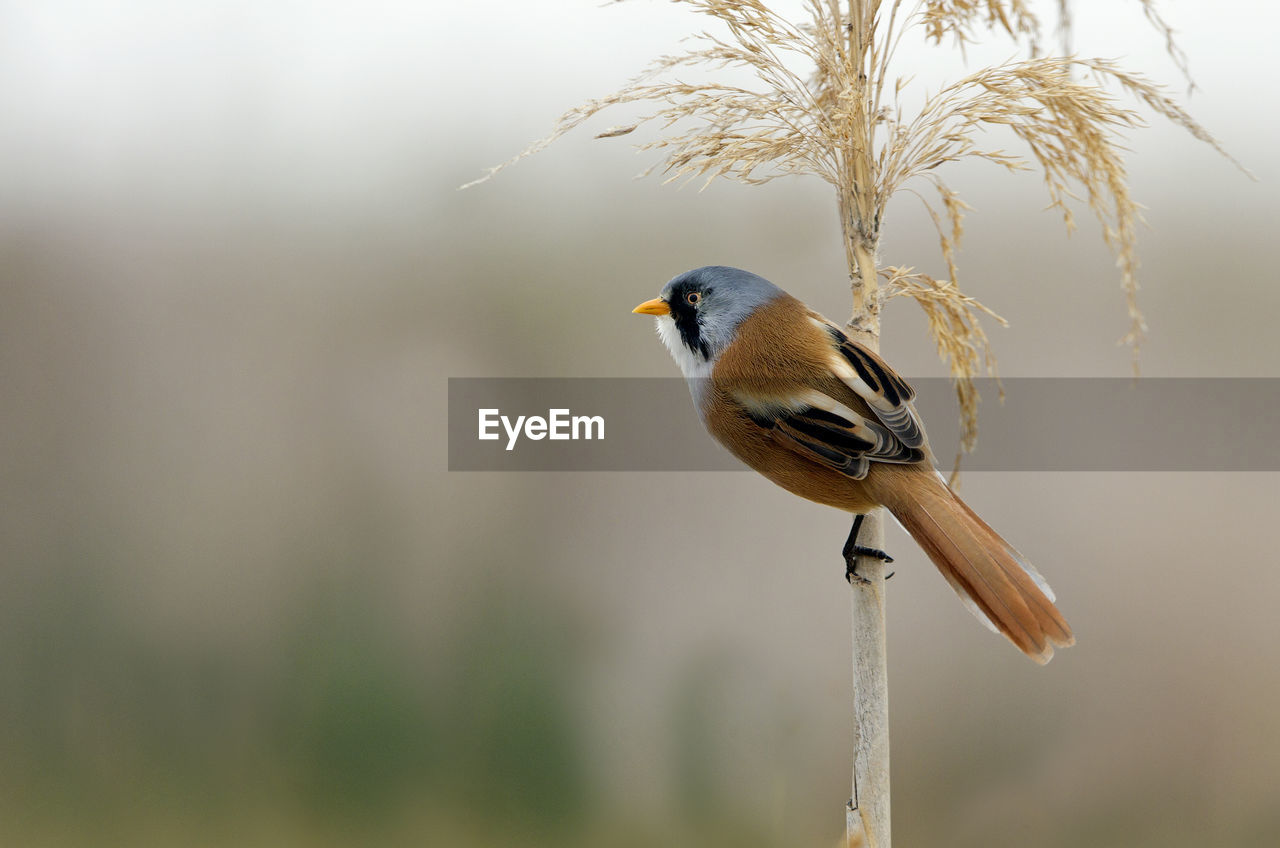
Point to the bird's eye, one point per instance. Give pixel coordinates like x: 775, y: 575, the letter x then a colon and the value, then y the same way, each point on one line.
x: 692, y: 298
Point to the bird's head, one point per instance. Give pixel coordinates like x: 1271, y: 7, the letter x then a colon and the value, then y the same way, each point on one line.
x: 699, y: 311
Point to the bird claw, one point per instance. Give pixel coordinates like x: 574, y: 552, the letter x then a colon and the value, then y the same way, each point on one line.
x: 851, y: 574
x: 852, y: 550
x: 875, y: 553
x: 851, y: 563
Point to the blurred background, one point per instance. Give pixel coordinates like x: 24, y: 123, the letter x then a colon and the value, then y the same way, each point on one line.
x: 243, y: 602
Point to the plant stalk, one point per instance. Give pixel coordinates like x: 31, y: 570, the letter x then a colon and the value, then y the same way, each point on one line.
x: 867, y: 815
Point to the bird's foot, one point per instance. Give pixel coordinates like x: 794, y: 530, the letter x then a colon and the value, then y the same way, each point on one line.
x: 851, y: 562
x: 852, y: 550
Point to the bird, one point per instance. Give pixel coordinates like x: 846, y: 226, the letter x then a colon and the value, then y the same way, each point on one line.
x: 788, y: 393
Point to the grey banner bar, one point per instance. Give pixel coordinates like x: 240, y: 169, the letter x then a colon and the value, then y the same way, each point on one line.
x: 1044, y: 424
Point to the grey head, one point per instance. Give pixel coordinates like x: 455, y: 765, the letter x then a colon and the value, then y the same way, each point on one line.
x: 707, y: 305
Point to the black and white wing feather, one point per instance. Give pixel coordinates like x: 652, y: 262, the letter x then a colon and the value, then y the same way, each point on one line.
x: 871, y: 379
x: 830, y: 433
x: 884, y: 428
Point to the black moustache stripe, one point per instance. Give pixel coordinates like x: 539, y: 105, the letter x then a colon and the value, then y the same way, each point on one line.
x: 686, y: 318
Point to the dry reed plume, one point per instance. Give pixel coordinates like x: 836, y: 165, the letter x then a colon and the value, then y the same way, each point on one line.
x: 827, y: 102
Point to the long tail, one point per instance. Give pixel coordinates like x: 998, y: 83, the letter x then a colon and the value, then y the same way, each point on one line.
x: 995, y: 582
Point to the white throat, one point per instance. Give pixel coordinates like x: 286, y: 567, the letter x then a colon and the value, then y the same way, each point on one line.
x: 696, y: 370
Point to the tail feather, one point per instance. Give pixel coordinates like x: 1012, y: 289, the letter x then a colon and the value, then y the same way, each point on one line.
x: 996, y: 583
x: 1055, y: 625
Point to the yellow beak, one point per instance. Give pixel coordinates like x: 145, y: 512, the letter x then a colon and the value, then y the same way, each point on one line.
x: 657, y: 306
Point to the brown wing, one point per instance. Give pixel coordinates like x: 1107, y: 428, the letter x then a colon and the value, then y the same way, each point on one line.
x: 834, y: 436
x: 819, y: 394
x: 871, y: 378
